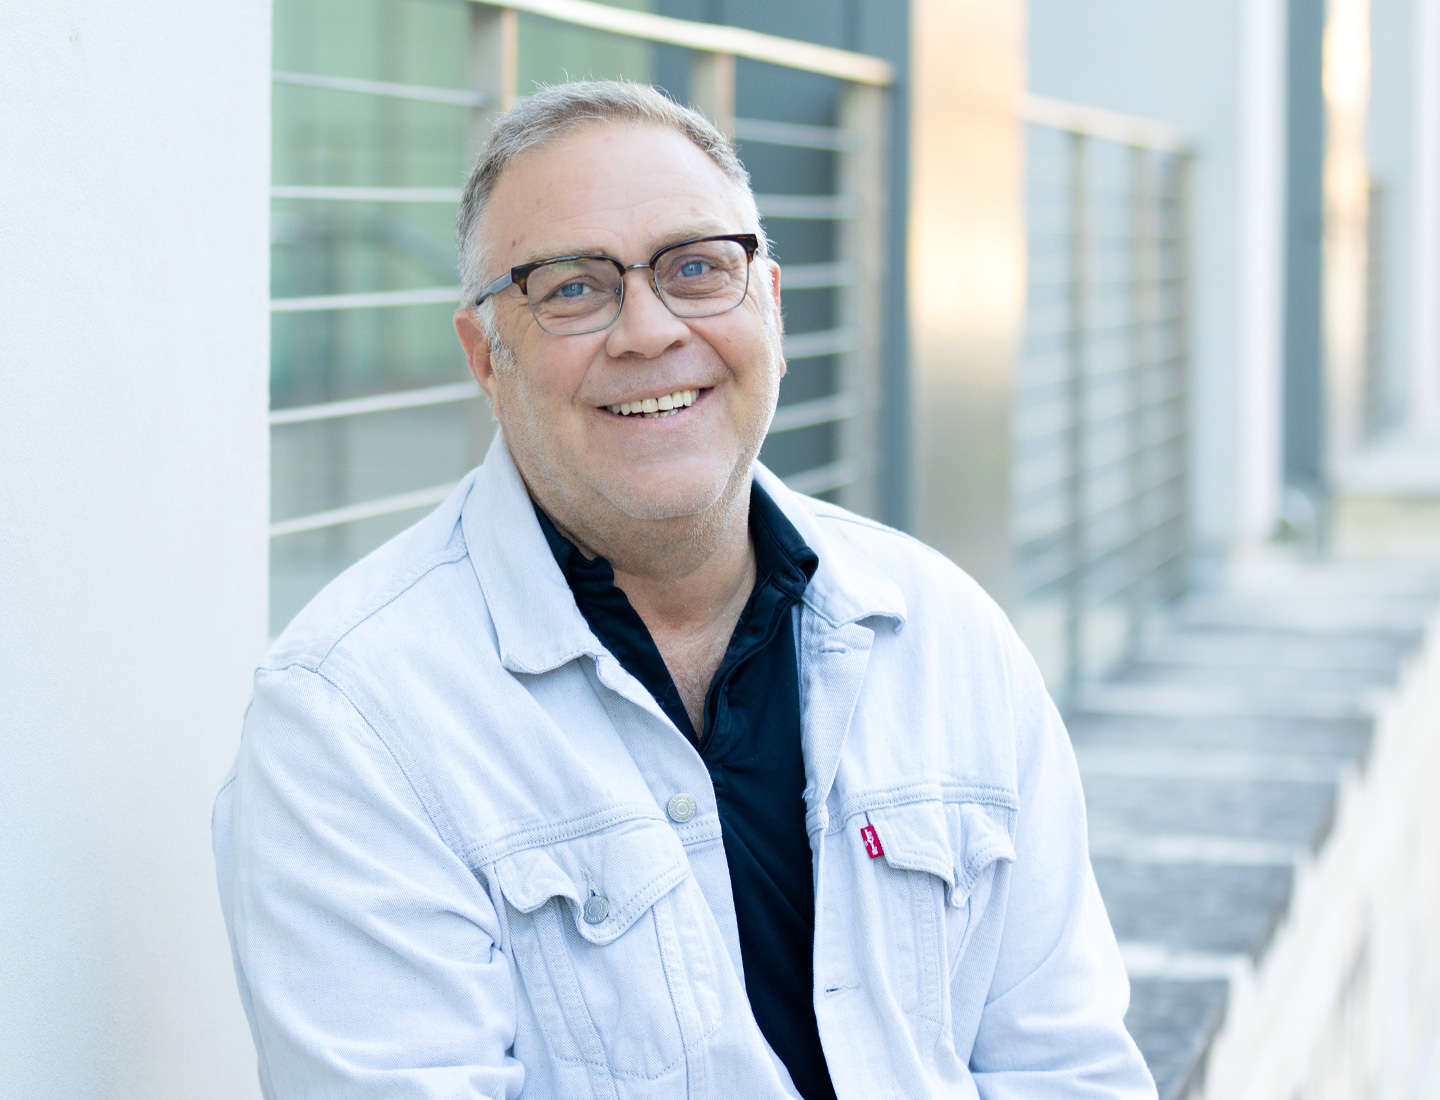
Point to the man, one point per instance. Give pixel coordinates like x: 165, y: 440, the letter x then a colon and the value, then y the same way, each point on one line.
x: 629, y: 772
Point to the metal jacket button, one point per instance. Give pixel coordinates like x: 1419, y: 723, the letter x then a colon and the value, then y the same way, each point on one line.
x: 596, y: 908
x: 681, y: 808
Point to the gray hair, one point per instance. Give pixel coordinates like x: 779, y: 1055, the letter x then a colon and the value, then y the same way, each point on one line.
x: 553, y: 112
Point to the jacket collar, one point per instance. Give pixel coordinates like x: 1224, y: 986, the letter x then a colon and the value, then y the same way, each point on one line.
x: 846, y: 588
x: 537, y: 625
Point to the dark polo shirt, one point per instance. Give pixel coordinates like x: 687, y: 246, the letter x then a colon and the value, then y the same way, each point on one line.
x: 751, y: 747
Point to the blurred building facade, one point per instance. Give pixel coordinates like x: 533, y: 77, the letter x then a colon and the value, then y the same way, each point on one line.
x: 1095, y: 297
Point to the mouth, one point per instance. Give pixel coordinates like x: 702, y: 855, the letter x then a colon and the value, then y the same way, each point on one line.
x: 652, y: 408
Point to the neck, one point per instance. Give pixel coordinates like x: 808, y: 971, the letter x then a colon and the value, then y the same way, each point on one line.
x: 682, y: 574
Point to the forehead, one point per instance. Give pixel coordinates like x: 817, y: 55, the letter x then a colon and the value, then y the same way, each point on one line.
x: 618, y: 188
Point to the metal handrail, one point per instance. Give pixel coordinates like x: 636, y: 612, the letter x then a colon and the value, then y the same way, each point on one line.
x: 822, y: 479
x: 323, y: 193
x: 816, y: 207
x: 808, y: 345
x: 370, y: 509
x: 709, y: 37
x: 380, y: 402
x: 372, y: 299
x: 813, y: 276
x: 794, y: 134
x: 458, y: 97
x: 1096, y: 122
x: 807, y: 414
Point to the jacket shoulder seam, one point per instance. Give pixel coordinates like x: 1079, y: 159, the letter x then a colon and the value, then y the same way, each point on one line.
x: 315, y: 659
x: 384, y: 744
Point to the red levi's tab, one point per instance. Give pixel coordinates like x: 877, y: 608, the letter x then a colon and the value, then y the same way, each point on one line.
x: 871, y: 838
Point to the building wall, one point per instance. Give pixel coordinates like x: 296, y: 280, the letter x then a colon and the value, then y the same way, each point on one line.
x: 1421, y: 397
x: 1215, y: 71
x: 1403, y: 147
x: 1389, y: 126
x: 133, y: 335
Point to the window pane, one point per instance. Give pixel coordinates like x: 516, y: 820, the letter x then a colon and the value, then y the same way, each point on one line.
x: 551, y: 52
x: 329, y: 464
x: 349, y: 139
x: 335, y: 354
x: 355, y: 247
x: 319, y: 247
x: 403, y: 41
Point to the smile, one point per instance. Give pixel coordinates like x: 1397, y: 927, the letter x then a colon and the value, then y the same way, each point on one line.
x: 651, y: 407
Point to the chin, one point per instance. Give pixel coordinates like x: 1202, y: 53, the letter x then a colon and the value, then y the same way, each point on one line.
x: 669, y: 496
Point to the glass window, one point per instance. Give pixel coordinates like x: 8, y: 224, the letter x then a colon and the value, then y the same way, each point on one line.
x: 373, y: 417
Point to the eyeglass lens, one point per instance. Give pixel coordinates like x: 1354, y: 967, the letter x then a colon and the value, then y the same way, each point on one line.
x: 695, y: 280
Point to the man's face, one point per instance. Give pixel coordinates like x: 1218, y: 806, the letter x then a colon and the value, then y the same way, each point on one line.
x: 626, y: 191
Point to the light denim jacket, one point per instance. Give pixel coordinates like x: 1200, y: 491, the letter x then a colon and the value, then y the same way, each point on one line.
x: 448, y: 870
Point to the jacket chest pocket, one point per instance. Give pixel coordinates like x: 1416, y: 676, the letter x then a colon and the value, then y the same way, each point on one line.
x: 610, y: 950
x: 939, y: 861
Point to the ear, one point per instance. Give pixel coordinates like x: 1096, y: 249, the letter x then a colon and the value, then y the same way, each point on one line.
x: 773, y: 271
x: 477, y: 351
x: 774, y: 275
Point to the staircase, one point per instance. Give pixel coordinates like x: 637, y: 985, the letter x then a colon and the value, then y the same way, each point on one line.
x: 1263, y: 787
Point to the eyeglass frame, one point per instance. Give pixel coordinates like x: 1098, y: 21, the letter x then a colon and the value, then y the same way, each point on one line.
x: 518, y: 275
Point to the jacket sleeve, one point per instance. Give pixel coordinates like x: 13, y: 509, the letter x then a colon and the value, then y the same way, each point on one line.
x: 1054, y: 1019
x: 365, y: 949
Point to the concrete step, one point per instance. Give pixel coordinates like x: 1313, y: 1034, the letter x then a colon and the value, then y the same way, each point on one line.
x: 1215, y: 765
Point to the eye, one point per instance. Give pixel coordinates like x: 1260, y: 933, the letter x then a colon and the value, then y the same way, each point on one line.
x: 692, y: 268
x: 571, y: 290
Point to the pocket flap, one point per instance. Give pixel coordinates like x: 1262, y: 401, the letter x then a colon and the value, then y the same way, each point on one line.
x: 955, y: 841
x: 981, y: 834
x: 627, y: 868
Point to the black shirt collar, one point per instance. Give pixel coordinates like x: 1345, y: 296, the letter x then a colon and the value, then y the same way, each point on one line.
x: 782, y: 557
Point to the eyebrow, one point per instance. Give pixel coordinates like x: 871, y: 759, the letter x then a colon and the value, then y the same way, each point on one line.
x: 688, y: 233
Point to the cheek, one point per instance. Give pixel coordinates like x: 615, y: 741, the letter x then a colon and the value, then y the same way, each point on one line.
x: 750, y: 350
x: 543, y: 397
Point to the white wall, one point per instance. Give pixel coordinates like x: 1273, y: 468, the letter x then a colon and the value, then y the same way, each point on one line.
x: 1215, y: 70
x: 134, y: 163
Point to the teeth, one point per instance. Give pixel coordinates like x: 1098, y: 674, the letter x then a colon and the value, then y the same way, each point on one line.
x: 652, y: 407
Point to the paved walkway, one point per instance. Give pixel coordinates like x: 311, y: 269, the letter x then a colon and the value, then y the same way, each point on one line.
x: 1213, y: 768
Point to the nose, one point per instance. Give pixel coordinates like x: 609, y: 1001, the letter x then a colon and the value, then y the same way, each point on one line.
x: 645, y: 327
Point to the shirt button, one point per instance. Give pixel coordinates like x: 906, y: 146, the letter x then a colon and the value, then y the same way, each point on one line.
x: 596, y: 908
x: 681, y: 808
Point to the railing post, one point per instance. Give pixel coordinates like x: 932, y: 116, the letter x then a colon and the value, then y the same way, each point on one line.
x: 1184, y: 181
x: 1375, y: 390
x: 863, y: 111
x: 712, y: 88
x: 1143, y: 290
x: 494, y: 45
x: 1077, y: 340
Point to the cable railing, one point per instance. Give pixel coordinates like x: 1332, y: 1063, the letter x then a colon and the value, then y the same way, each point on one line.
x: 373, y: 416
x: 1100, y: 474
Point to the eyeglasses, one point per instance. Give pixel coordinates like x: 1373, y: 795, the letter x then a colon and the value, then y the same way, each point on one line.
x: 570, y: 295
